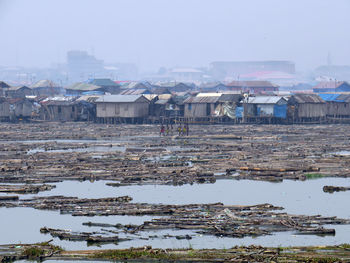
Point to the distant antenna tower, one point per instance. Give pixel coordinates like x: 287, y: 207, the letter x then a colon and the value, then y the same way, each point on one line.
x: 329, y: 60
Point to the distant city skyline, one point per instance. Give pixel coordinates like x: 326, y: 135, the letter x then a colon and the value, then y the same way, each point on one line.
x: 192, y: 33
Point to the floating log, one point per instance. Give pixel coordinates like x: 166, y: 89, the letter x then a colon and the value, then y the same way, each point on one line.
x: 332, y: 189
x: 9, y: 198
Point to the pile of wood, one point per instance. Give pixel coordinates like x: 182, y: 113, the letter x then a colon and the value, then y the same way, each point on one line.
x: 212, y: 219
x: 89, y: 237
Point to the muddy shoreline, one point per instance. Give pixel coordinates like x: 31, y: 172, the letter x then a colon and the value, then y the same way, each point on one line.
x: 136, y: 155
x: 45, y: 252
x: 37, y: 157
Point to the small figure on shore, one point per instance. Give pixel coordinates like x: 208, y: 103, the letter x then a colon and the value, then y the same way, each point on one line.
x: 179, y: 129
x: 162, y: 130
x: 184, y: 132
x: 167, y: 130
x: 187, y: 129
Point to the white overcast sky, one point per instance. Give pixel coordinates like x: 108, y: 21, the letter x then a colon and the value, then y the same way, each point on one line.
x: 154, y: 33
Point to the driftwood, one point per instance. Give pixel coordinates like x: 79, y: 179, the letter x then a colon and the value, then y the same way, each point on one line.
x: 90, y: 237
x: 332, y: 189
x: 269, y: 153
x: 9, y: 198
x: 25, y: 189
x: 212, y: 219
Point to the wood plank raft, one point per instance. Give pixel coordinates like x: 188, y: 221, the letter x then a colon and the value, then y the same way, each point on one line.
x: 136, y: 155
x: 214, y: 219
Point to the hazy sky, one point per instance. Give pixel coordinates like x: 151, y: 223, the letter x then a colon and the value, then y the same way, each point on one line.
x: 154, y: 33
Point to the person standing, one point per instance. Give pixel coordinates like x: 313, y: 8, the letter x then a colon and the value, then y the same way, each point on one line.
x: 162, y: 130
x: 167, y: 130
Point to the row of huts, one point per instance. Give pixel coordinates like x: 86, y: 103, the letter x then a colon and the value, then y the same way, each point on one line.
x: 190, y: 108
x: 108, y: 86
x: 107, y: 101
x: 217, y: 107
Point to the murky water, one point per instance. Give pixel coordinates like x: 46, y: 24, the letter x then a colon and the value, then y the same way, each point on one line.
x: 21, y: 225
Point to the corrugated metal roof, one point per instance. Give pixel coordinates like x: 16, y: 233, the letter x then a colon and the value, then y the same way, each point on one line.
x: 103, y: 82
x: 230, y: 98
x: 138, y: 85
x: 89, y: 98
x: 329, y: 84
x: 329, y: 97
x: 135, y: 92
x: 253, y: 83
x: 179, y: 100
x: 161, y: 90
x: 174, y: 84
x: 344, y: 97
x: 82, y: 86
x: 4, y: 85
x: 150, y: 97
x: 212, y: 99
x: 164, y: 96
x: 161, y: 102
x: 209, y: 94
x: 307, y: 98
x: 18, y: 88
x: 210, y: 85
x: 59, y: 100
x: 120, y: 98
x: 264, y: 99
x: 43, y: 84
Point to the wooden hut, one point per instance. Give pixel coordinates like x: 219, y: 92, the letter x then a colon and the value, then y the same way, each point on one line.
x: 227, y: 104
x: 60, y: 109
x: 166, y: 108
x: 107, y: 85
x: 306, y: 108
x: 88, y: 107
x: 18, y: 92
x: 136, y: 92
x: 3, y: 87
x: 177, y: 86
x: 4, y: 109
x: 20, y: 108
x: 213, y: 87
x: 332, y: 86
x: 46, y: 88
x: 201, y: 106
x: 265, y: 109
x: 122, y: 108
x: 81, y: 88
x: 338, y: 106
x: 253, y: 87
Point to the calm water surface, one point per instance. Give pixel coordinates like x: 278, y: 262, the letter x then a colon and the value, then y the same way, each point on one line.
x: 21, y: 225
